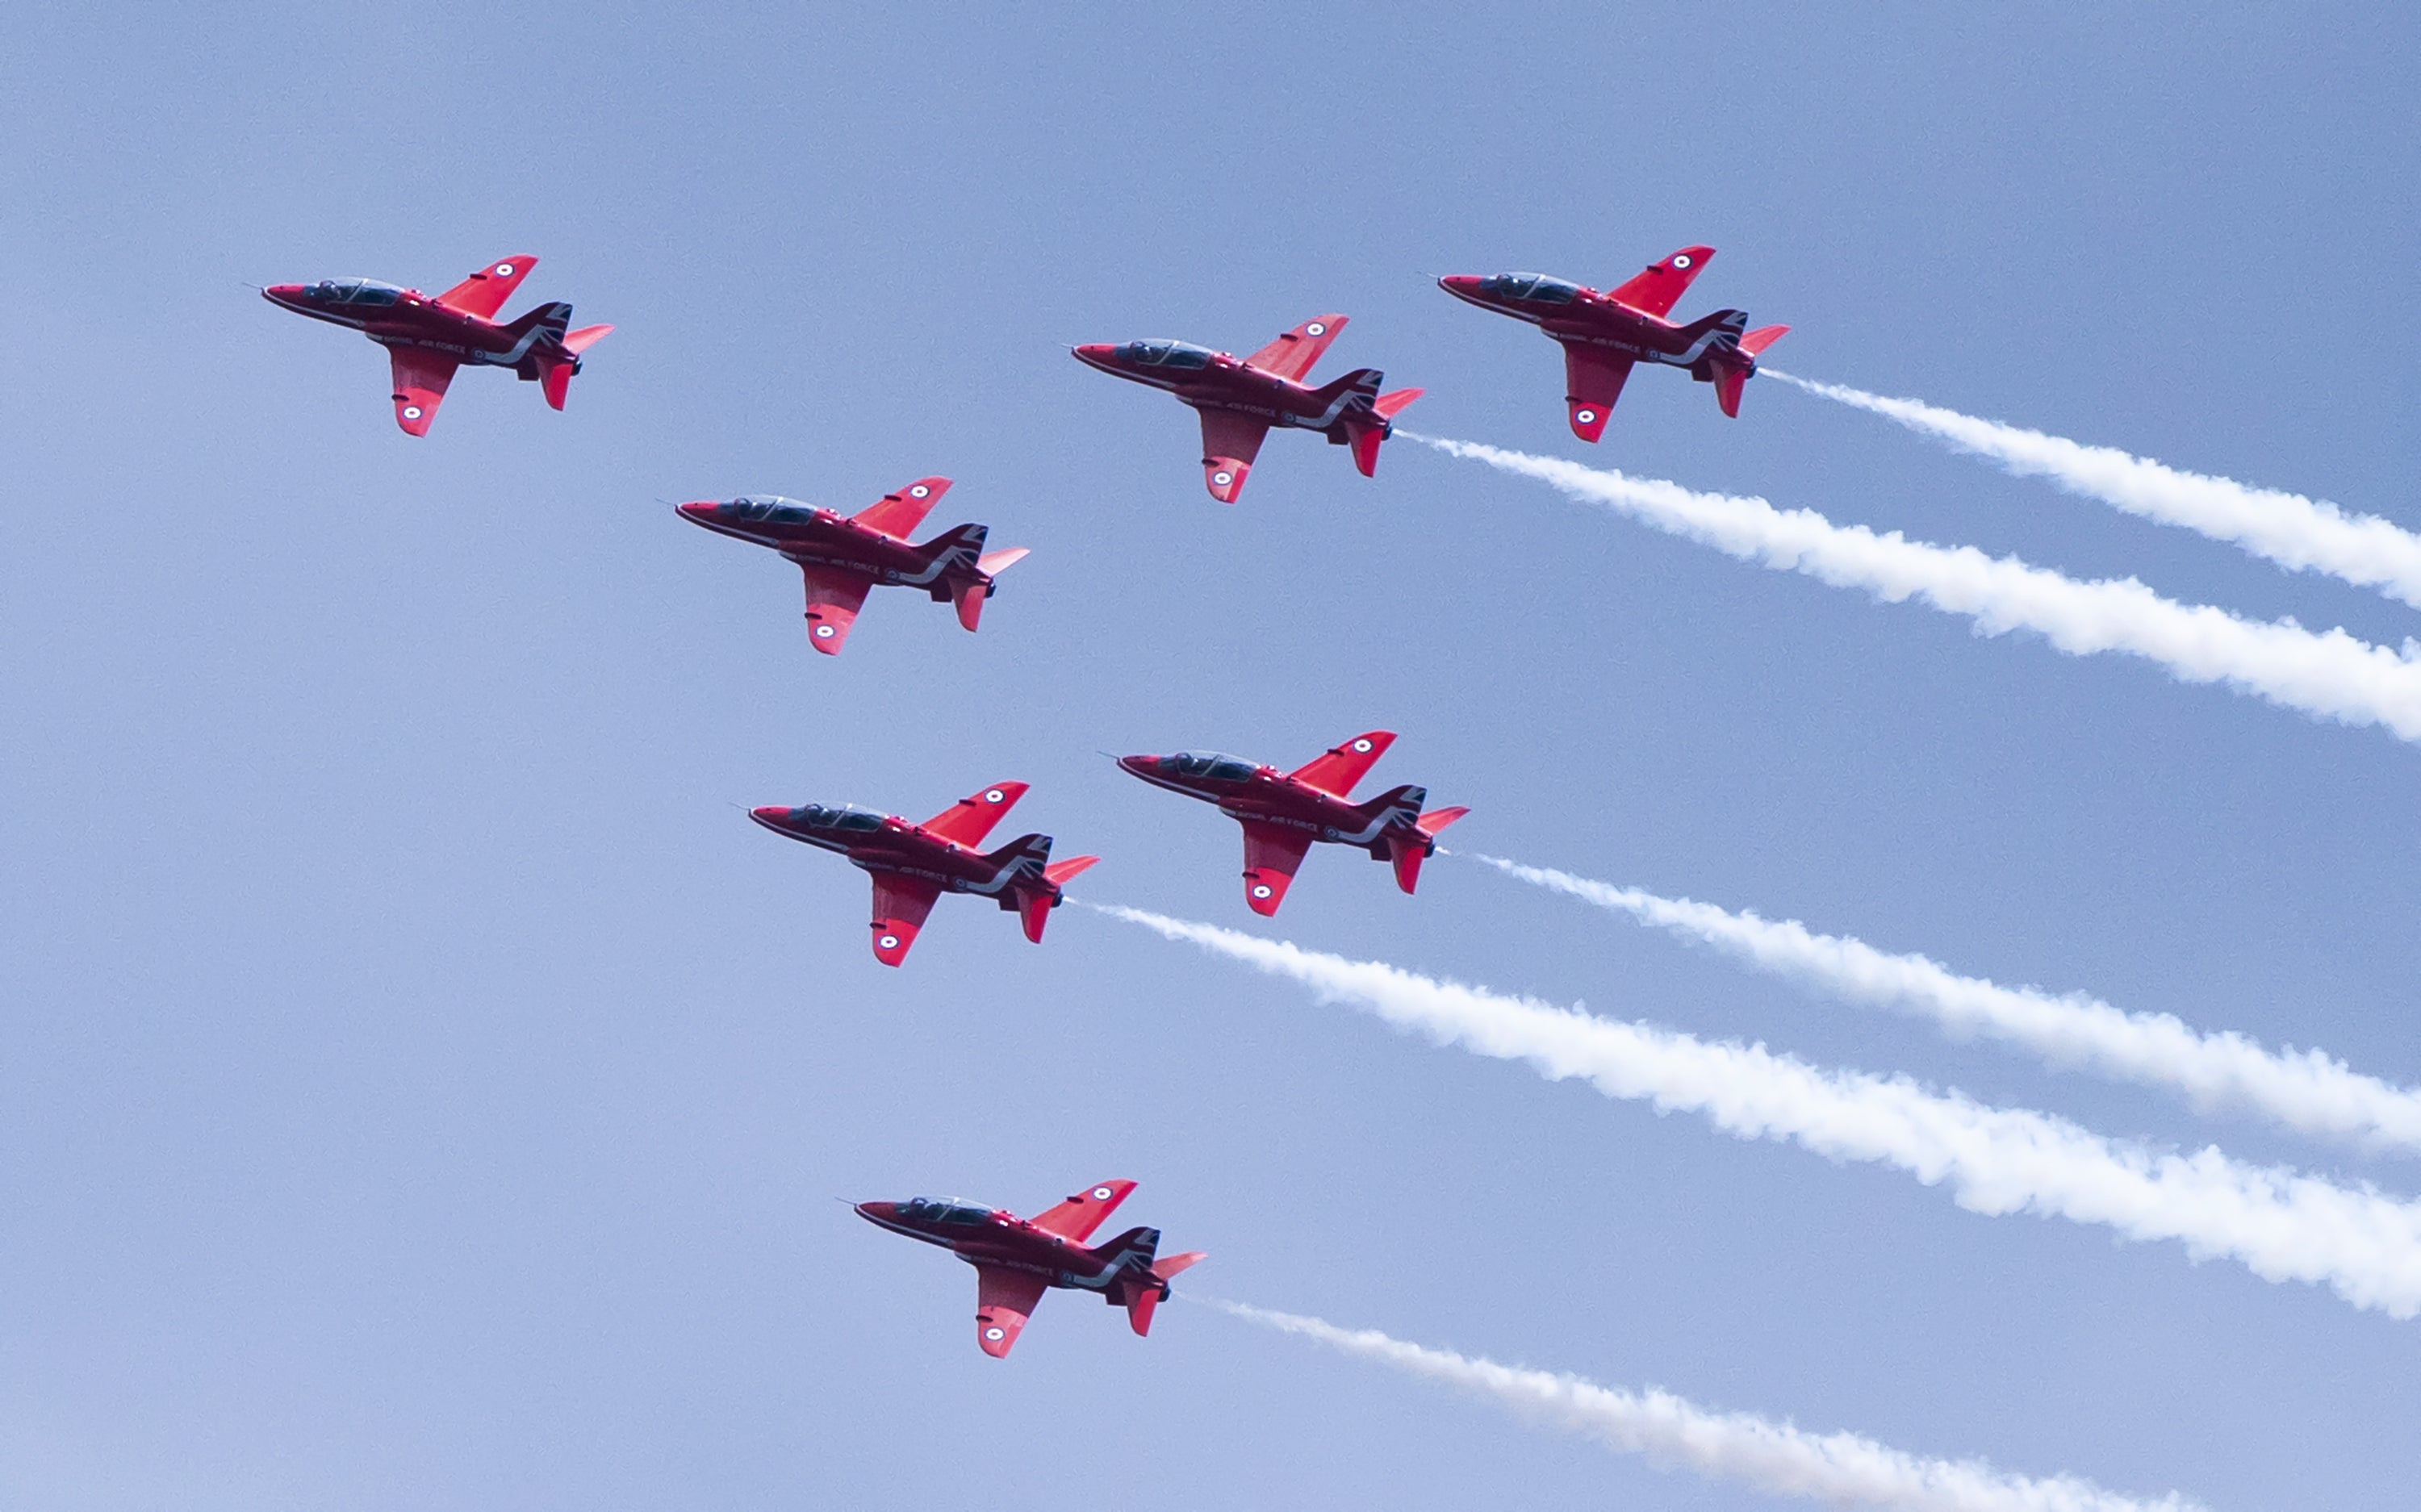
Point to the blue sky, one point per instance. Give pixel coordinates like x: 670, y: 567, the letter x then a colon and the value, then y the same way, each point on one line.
x: 425, y: 1090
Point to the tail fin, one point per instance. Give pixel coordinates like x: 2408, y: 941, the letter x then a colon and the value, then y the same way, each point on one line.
x: 1034, y: 904
x: 969, y: 593
x: 555, y: 318
x: 1409, y: 852
x: 1402, y: 803
x: 1143, y: 1297
x: 966, y: 542
x: 1027, y: 853
x: 1763, y: 338
x: 1364, y: 435
x: 1133, y: 1249
x: 1363, y: 381
x: 1718, y: 325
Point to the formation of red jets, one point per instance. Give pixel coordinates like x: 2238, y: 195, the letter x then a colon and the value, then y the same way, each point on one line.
x: 1240, y: 400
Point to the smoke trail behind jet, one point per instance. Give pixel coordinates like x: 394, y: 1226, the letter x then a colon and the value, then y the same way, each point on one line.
x: 2329, y: 674
x: 2280, y: 1224
x: 2305, y: 1091
x: 2296, y: 533
x: 1838, y: 1468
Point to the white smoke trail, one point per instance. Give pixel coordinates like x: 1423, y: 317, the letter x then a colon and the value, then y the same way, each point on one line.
x: 2295, y: 532
x: 2305, y: 1091
x: 2280, y: 1224
x: 2330, y: 674
x: 1839, y: 1469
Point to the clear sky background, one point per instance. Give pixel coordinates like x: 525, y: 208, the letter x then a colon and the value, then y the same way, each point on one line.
x: 423, y: 1089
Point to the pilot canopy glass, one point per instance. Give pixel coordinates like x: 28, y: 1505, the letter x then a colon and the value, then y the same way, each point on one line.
x: 770, y: 506
x: 947, y: 1211
x: 355, y: 292
x: 1537, y: 288
x: 1166, y: 353
x: 840, y: 817
x: 1215, y: 765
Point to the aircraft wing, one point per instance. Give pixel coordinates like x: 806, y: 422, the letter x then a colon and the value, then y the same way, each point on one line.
x: 1004, y: 1300
x: 1657, y: 288
x: 420, y: 380
x: 484, y: 293
x: 1593, y: 380
x: 901, y: 904
x: 834, y: 600
x: 969, y: 820
x: 1076, y: 1218
x: 1336, y: 771
x: 903, y: 509
x: 1292, y: 355
x: 1229, y: 442
x: 1271, y: 853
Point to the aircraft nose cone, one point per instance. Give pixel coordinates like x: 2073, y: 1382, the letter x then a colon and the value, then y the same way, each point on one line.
x: 282, y: 293
x: 771, y: 816
x: 1094, y: 354
x: 701, y: 510
x: 876, y: 1211
x: 1138, y: 764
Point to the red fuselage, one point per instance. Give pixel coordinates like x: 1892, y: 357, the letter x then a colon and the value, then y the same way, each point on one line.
x: 825, y: 538
x: 1571, y: 313
x: 1208, y: 380
x: 885, y: 843
x: 1246, y: 790
x: 997, y: 1236
x: 395, y: 316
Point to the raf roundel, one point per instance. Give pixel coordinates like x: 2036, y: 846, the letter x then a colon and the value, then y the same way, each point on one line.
x: 412, y: 411
x: 1317, y: 327
x: 1101, y: 1194
x: 995, y: 1333
x: 504, y: 270
x: 823, y: 633
x: 994, y: 795
x: 890, y: 942
x: 1362, y: 744
x: 1584, y: 417
x: 1223, y: 479
x: 1260, y: 889
x: 1680, y: 260
x: 918, y: 492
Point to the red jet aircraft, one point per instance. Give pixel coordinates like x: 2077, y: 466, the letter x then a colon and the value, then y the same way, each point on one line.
x: 426, y: 338
x: 1017, y: 1258
x: 843, y: 557
x: 1283, y: 814
x: 915, y: 863
x: 1604, y: 333
x: 1240, y: 398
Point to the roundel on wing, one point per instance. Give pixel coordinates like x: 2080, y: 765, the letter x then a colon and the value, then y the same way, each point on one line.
x: 504, y: 270
x: 412, y: 411
x: 995, y: 1333
x: 889, y: 942
x: 823, y: 633
x: 1585, y: 416
x: 1363, y: 744
x: 1680, y: 260
x: 918, y: 492
x: 994, y: 795
x: 1260, y: 889
x: 1101, y: 1194
x: 1317, y: 327
x: 1223, y: 477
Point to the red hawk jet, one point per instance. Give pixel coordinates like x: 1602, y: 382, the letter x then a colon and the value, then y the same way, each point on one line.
x: 1604, y: 333
x: 1017, y: 1258
x: 915, y: 863
x: 844, y: 556
x: 426, y: 338
x: 1283, y: 814
x: 1240, y: 398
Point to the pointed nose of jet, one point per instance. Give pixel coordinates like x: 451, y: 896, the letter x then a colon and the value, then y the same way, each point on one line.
x: 877, y: 1213
x: 1094, y: 354
x: 771, y: 816
x: 1461, y: 286
x: 699, y: 512
x: 1138, y: 765
x: 289, y: 295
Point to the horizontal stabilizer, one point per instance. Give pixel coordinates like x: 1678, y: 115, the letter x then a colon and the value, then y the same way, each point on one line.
x: 576, y: 342
x: 1164, y: 1268
x: 1059, y: 873
x: 992, y: 563
x: 1391, y: 405
x: 1763, y: 338
x: 1438, y: 818
x: 1729, y: 383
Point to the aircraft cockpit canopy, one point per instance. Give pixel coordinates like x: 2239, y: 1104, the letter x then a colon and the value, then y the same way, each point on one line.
x: 947, y: 1211
x: 1537, y: 288
x: 771, y: 506
x: 841, y: 816
x: 1167, y: 354
x: 1215, y: 765
x: 355, y: 292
